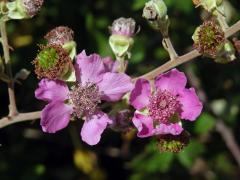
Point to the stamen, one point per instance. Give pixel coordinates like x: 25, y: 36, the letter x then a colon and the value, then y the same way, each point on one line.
x: 85, y: 99
x: 163, y: 105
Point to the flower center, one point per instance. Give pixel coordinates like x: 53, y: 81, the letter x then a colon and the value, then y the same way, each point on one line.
x: 163, y: 106
x: 85, y: 99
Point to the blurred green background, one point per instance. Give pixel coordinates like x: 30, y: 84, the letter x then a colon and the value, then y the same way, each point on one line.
x: 28, y: 154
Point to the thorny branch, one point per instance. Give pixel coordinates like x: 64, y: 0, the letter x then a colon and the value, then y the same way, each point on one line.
x: 150, y: 76
x: 12, y: 102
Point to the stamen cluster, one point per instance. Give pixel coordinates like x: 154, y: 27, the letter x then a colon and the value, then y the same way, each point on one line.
x: 163, y: 105
x: 85, y: 99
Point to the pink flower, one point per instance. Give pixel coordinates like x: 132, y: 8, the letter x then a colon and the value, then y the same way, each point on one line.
x: 96, y: 82
x: 159, y: 112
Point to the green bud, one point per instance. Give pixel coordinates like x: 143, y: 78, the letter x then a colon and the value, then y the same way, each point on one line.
x: 155, y: 11
x: 120, y: 44
x: 23, y: 9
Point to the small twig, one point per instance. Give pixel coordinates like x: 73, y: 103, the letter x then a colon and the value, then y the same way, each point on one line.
x: 169, y: 65
x: 12, y: 102
x: 167, y: 44
x: 229, y: 139
x: 6, y: 121
x: 184, y: 58
x: 221, y: 128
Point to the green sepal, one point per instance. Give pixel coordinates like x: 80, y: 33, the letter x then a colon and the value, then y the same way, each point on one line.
x: 16, y: 10
x: 120, y: 44
x: 70, y: 47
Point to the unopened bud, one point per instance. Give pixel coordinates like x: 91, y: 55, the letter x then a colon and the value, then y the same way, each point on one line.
x: 155, y: 11
x: 62, y: 36
x: 209, y: 38
x: 53, y: 62
x: 121, y: 39
x: 173, y: 143
x: 23, y: 9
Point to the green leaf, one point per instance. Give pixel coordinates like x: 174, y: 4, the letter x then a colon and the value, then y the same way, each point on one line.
x: 204, y: 124
x: 188, y: 156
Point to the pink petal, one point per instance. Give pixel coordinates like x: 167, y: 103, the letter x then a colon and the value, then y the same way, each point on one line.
x: 144, y: 124
x: 55, y: 116
x: 191, y: 105
x: 173, y: 81
x: 114, y: 86
x: 93, y: 128
x: 49, y: 90
x: 174, y: 129
x: 110, y: 65
x: 139, y: 97
x: 89, y: 68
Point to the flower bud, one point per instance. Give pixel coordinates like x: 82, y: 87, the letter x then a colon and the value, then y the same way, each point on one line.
x: 173, y: 143
x: 121, y: 40
x: 62, y: 36
x: 155, y: 11
x: 226, y: 54
x: 209, y: 38
x: 23, y: 9
x: 53, y: 62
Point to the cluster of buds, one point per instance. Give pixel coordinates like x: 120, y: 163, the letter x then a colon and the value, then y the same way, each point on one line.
x: 54, y: 61
x: 155, y: 11
x: 23, y: 9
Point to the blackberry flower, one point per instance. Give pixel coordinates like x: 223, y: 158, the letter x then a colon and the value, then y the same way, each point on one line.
x: 96, y: 82
x: 160, y: 111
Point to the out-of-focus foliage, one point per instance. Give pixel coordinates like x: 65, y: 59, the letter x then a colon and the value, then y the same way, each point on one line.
x: 27, y: 153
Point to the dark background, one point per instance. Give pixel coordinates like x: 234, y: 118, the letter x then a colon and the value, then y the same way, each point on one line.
x: 27, y: 153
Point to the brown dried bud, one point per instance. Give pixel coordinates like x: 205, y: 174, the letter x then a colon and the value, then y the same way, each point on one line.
x: 173, y: 143
x: 209, y: 38
x: 59, y: 35
x: 52, y: 62
x: 32, y: 6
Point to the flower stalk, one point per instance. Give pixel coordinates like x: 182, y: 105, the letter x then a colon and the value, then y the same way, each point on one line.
x: 168, y: 46
x: 12, y: 102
